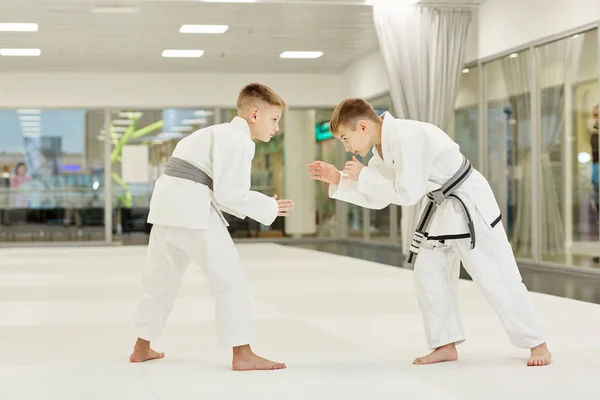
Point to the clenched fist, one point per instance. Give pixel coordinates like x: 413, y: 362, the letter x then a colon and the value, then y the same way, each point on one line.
x: 352, y: 169
x: 324, y: 172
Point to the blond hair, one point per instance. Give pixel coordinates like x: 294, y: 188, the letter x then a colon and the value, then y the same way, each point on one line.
x: 348, y: 112
x: 256, y: 92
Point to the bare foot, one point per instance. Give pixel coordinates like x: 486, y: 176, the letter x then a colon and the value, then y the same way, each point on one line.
x: 441, y: 354
x: 142, y: 352
x: 244, y: 359
x: 540, y: 356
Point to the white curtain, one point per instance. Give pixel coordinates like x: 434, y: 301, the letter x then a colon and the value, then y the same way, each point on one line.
x: 558, y: 66
x: 424, y: 50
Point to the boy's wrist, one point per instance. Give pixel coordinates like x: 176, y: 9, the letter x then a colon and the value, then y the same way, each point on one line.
x: 338, y: 178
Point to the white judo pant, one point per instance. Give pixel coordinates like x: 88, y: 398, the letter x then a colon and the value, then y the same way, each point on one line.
x: 492, y: 266
x: 170, y: 251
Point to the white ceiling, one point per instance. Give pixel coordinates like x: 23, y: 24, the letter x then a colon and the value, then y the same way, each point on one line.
x: 72, y: 38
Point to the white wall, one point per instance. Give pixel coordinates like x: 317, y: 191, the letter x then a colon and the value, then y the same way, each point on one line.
x: 506, y: 24
x: 158, y: 90
x: 366, y: 78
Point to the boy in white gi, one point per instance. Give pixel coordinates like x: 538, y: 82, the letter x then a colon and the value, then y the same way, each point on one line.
x: 209, y: 171
x: 460, y: 221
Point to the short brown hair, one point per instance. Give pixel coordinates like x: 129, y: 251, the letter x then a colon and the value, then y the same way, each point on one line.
x: 258, y: 92
x: 349, y: 111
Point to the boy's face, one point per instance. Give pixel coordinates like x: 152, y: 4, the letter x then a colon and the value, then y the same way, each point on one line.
x: 355, y: 141
x: 265, y: 121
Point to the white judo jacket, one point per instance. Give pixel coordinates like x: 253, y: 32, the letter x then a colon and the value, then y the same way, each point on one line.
x: 224, y: 152
x: 419, y: 158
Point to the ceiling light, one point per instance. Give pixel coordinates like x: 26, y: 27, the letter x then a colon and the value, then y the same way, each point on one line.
x: 119, y: 129
x: 513, y: 55
x: 30, y: 123
x: 20, y: 52
x: 182, y: 128
x: 391, y: 2
x: 201, y: 113
x: 576, y: 36
x: 10, y: 27
x: 466, y: 71
x: 122, y: 122
x: 199, y: 121
x: 183, y: 53
x: 130, y: 114
x: 203, y: 29
x: 30, y: 117
x: 28, y: 111
x: 584, y: 158
x: 229, y: 1
x: 301, y: 54
x: 115, y: 9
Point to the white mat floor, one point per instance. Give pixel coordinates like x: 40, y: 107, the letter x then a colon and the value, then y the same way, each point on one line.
x: 347, y: 329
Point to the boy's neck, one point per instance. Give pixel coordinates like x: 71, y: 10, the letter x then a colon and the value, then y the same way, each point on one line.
x: 376, y: 139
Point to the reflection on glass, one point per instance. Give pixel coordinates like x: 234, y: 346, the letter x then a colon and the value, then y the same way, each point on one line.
x: 326, y: 150
x: 379, y: 224
x: 51, y: 186
x: 466, y: 115
x: 267, y: 178
x: 142, y: 142
x: 568, y: 76
x: 508, y: 106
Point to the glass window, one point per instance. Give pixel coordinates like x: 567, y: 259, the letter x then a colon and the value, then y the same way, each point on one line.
x: 379, y: 224
x: 142, y: 142
x: 508, y: 104
x: 568, y: 76
x: 466, y: 115
x: 51, y: 188
x: 326, y: 147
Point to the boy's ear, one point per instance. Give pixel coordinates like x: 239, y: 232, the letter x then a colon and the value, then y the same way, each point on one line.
x: 362, y: 125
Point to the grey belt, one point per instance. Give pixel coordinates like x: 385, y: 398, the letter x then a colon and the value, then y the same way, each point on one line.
x: 436, y: 198
x: 179, y: 168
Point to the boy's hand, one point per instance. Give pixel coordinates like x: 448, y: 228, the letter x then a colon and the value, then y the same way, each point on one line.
x: 285, y: 206
x: 352, y: 169
x: 324, y: 172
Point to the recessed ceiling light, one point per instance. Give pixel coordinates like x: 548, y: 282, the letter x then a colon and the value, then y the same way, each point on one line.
x: 30, y: 124
x: 20, y: 52
x: 183, y: 53
x: 182, y: 128
x: 12, y: 27
x: 28, y: 111
x: 216, y: 29
x: 122, y: 122
x: 30, y: 117
x: 301, y: 54
x: 466, y: 71
x: 513, y: 55
x: 198, y: 121
x: 391, y: 2
x: 229, y: 1
x: 130, y: 114
x: 575, y: 36
x: 115, y: 9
